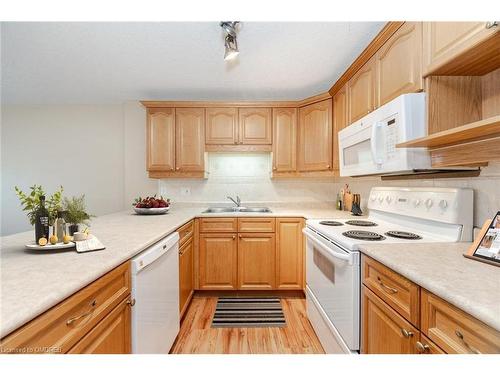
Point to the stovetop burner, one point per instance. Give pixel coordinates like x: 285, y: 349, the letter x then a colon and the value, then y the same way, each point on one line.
x: 361, y: 223
x: 364, y: 235
x: 331, y: 223
x: 403, y: 235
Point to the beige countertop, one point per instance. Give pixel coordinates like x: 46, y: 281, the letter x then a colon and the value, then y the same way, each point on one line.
x: 440, y: 268
x: 33, y: 282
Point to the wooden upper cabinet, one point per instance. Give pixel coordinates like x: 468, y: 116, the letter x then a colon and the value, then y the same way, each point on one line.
x: 255, y: 126
x: 160, y: 133
x: 399, y: 63
x: 218, y: 267
x: 289, y: 253
x: 285, y: 139
x: 221, y: 126
x: 339, y: 122
x: 361, y: 91
x: 190, y: 139
x: 444, y: 41
x: 256, y: 261
x: 315, y: 136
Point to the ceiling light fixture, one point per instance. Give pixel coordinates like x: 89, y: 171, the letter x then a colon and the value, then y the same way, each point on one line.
x: 230, y: 42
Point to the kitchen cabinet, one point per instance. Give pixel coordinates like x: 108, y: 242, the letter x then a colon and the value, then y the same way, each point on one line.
x: 399, y: 63
x: 384, y: 330
x: 285, y: 139
x: 315, y: 137
x: 218, y: 267
x: 445, y: 41
x: 160, y: 133
x: 289, y: 253
x: 186, y: 277
x: 96, y: 318
x: 110, y: 336
x: 221, y: 126
x: 361, y: 91
x: 190, y: 139
x: 256, y: 261
x: 339, y: 122
x: 255, y: 126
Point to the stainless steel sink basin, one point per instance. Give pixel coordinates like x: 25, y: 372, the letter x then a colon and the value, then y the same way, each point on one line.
x: 219, y: 210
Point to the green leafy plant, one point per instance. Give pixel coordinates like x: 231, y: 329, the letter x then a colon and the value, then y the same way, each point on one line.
x: 75, y: 212
x: 31, y: 202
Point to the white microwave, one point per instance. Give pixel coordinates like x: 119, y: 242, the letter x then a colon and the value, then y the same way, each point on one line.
x: 368, y: 146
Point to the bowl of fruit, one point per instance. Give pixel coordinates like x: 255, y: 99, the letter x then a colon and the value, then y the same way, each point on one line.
x: 151, y: 205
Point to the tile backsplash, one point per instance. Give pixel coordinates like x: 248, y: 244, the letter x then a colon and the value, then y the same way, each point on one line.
x: 247, y: 175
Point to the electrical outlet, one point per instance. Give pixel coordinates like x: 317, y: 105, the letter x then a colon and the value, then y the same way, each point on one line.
x: 185, y: 191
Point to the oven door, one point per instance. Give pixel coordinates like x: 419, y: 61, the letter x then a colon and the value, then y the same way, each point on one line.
x: 333, y: 278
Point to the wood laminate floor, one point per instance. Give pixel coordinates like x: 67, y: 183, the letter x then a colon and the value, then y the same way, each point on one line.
x: 197, y: 337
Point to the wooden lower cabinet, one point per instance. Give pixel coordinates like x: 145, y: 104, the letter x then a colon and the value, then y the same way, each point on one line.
x: 256, y: 261
x: 186, y: 281
x: 112, y: 335
x: 289, y: 253
x: 384, y: 331
x: 218, y: 261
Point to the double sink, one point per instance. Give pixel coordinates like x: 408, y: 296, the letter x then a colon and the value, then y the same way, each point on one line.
x: 219, y: 210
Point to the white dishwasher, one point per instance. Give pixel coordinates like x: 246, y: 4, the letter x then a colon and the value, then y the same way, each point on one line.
x: 155, y: 289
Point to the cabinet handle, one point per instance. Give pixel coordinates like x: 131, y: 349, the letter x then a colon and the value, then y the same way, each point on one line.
x: 240, y: 236
x: 328, y: 166
x: 93, y: 304
x: 131, y: 302
x: 388, y: 288
x: 406, y: 333
x: 177, y: 168
x: 274, y: 168
x: 461, y: 337
x: 422, y: 348
x: 491, y: 24
x: 234, y: 237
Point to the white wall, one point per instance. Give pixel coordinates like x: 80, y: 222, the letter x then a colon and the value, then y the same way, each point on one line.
x: 79, y: 147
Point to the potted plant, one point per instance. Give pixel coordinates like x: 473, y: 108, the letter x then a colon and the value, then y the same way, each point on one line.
x: 31, y: 203
x: 75, y: 213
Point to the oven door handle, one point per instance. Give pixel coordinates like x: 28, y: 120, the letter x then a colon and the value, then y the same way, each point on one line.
x: 325, y: 250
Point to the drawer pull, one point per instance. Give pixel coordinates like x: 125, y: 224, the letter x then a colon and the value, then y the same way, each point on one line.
x: 461, y: 337
x: 422, y: 348
x: 491, y: 24
x: 93, y: 304
x: 388, y: 288
x: 406, y: 333
x: 131, y: 302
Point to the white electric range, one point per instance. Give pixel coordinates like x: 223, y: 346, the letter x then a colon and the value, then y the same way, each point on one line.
x: 396, y: 215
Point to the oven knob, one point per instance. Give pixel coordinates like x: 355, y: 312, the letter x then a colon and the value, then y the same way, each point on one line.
x: 416, y: 202
x: 429, y: 203
x: 381, y: 199
x: 443, y: 204
x: 388, y: 199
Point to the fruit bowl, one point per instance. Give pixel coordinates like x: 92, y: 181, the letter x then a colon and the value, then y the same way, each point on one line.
x: 151, y: 211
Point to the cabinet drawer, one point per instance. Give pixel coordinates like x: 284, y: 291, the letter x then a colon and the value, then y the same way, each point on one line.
x: 454, y: 330
x: 185, y: 232
x: 218, y: 224
x: 398, y: 292
x: 58, y: 329
x: 257, y: 224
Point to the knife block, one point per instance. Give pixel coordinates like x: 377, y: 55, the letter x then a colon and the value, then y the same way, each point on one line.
x: 348, y: 199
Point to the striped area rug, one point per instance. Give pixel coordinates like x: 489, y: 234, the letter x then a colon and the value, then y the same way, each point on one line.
x: 248, y: 312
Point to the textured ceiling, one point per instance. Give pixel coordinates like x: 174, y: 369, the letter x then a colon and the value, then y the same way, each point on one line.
x: 49, y: 63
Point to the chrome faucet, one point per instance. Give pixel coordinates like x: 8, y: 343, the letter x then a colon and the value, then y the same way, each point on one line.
x: 237, y: 202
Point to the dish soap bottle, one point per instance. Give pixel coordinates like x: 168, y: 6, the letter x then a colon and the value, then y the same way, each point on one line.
x: 60, y: 226
x: 41, y: 221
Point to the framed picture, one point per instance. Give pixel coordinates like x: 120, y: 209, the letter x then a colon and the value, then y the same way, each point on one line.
x: 486, y: 247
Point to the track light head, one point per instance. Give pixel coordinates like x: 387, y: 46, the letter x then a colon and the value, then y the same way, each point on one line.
x: 230, y: 43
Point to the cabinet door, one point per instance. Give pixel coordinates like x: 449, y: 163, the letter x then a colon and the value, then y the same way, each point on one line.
x: 255, y: 126
x: 110, y: 336
x: 190, y: 139
x: 315, y: 136
x: 285, y: 139
x: 186, y: 286
x: 160, y: 139
x: 361, y: 91
x: 339, y: 122
x: 445, y: 40
x: 221, y: 126
x: 256, y: 261
x: 218, y: 266
x: 399, y: 63
x: 289, y: 253
x: 384, y: 331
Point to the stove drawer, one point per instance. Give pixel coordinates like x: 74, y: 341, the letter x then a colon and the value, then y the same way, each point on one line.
x: 397, y: 291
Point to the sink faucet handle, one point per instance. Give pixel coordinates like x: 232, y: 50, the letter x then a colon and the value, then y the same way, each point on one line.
x: 238, y: 200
